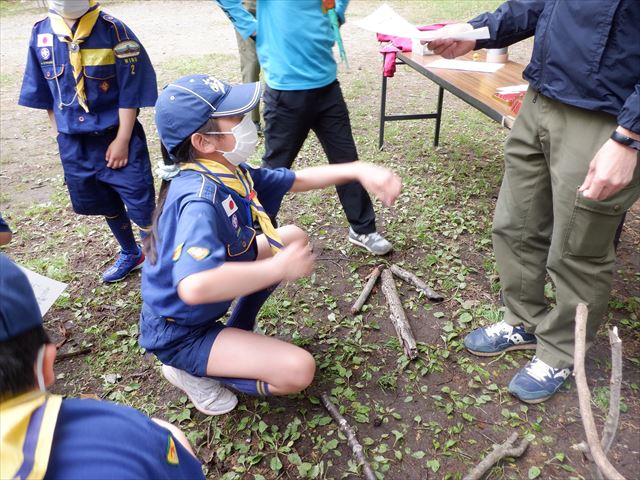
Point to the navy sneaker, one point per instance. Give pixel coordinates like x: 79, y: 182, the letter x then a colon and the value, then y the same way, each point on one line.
x: 124, y: 265
x: 497, y: 338
x: 537, y: 381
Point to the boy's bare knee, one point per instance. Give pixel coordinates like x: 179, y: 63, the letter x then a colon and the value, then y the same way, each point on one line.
x: 300, y: 370
x: 293, y: 233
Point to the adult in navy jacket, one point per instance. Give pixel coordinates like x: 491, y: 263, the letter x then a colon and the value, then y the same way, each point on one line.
x: 571, y: 171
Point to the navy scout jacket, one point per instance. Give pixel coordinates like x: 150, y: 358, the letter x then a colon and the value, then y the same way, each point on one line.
x: 586, y: 53
x: 117, y: 71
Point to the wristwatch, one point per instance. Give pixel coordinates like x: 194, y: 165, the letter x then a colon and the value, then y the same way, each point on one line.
x: 624, y: 140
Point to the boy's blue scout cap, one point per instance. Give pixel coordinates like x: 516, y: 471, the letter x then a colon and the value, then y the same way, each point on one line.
x: 186, y: 104
x: 19, y: 309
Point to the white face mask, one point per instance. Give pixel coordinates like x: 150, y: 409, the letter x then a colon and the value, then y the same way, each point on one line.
x: 40, y: 369
x: 71, y: 9
x: 246, y: 136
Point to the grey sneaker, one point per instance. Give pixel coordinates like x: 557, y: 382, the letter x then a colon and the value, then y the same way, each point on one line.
x: 206, y: 394
x: 374, y: 242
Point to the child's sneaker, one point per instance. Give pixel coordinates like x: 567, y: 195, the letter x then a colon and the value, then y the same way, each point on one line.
x: 206, y: 394
x: 537, y: 381
x: 374, y: 242
x: 497, y: 338
x: 124, y: 265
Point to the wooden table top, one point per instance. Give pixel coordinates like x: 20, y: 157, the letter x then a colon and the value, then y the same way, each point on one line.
x: 475, y: 88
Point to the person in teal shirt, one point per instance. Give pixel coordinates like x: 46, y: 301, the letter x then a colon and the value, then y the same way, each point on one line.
x: 294, y: 41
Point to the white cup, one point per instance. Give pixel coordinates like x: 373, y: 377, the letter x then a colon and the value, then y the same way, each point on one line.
x: 498, y: 55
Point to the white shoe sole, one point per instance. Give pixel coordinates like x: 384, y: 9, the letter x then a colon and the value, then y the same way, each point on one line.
x: 360, y: 244
x: 168, y: 373
x: 524, y: 346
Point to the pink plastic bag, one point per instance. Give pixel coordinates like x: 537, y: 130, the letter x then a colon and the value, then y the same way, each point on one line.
x: 399, y: 44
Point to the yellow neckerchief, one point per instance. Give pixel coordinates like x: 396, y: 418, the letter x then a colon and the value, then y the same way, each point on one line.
x: 64, y: 34
x: 241, y: 183
x: 27, y: 424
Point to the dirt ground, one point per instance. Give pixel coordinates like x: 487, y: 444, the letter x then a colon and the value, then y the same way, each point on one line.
x: 431, y: 419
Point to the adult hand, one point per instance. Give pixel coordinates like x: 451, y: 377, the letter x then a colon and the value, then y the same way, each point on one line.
x: 380, y: 181
x: 610, y: 171
x: 117, y: 153
x: 448, y: 47
x: 295, y: 261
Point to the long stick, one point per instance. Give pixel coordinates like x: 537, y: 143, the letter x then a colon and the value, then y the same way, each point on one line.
x: 75, y: 353
x: 584, y: 398
x: 499, y: 452
x: 398, y: 317
x: 358, y: 451
x: 373, y: 278
x: 421, y: 285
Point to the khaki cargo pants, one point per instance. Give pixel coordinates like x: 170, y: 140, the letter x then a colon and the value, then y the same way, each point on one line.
x: 542, y: 224
x: 249, y: 64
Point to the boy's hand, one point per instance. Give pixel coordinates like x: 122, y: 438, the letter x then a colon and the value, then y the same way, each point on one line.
x: 117, y: 153
x: 295, y: 261
x: 380, y: 181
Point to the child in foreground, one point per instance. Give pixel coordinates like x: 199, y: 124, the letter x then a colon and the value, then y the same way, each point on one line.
x: 204, y: 252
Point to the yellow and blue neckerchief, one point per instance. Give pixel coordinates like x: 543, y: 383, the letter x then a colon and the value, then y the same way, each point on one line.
x: 64, y: 34
x: 27, y: 425
x: 241, y: 183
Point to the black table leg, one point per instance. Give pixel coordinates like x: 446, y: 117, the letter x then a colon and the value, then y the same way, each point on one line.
x: 383, y: 104
x: 436, y: 138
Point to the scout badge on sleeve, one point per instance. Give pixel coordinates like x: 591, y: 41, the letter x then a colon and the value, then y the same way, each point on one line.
x: 329, y: 7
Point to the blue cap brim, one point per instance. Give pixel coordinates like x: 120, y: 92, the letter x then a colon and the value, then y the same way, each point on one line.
x: 241, y: 99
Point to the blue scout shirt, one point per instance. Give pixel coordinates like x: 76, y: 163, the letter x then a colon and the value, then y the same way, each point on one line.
x: 585, y: 54
x: 117, y: 70
x: 99, y: 439
x: 294, y: 40
x: 202, y: 225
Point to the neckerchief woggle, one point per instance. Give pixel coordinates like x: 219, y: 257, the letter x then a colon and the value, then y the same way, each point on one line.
x: 27, y: 425
x: 64, y: 34
x: 329, y: 7
x: 241, y: 183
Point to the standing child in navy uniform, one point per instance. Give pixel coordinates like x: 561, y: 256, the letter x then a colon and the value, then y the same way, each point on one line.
x: 204, y: 252
x: 90, y: 73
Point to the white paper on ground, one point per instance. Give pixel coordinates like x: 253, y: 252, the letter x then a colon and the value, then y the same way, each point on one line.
x: 386, y: 21
x: 465, y: 65
x: 47, y: 290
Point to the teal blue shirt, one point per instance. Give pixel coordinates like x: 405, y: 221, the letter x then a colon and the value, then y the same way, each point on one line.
x: 294, y: 40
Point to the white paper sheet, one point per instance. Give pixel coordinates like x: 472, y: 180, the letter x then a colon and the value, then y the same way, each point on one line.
x: 46, y: 289
x: 386, y: 21
x: 466, y: 65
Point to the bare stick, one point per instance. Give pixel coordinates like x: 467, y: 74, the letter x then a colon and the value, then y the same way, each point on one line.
x: 498, y: 453
x: 584, y: 398
x: 611, y: 425
x: 75, y: 353
x: 358, y: 451
x: 398, y: 317
x: 373, y: 278
x: 420, y: 284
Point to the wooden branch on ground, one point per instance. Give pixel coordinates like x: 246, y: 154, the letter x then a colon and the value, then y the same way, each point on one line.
x: 352, y: 440
x: 373, y: 278
x: 398, y: 317
x: 75, y: 353
x: 420, y: 284
x: 499, y: 452
x: 584, y: 398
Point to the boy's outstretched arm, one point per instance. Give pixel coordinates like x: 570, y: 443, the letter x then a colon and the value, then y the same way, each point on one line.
x: 380, y: 181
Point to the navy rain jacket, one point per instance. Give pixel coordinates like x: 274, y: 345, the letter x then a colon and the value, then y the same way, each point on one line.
x: 586, y: 53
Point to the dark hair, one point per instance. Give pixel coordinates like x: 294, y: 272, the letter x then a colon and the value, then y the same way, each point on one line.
x: 183, y: 153
x: 17, y: 357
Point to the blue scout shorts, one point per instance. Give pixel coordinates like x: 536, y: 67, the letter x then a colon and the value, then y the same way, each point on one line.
x: 96, y: 189
x: 183, y: 347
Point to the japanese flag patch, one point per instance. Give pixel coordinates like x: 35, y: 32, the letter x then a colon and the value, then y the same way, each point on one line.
x: 45, y: 40
x: 229, y: 205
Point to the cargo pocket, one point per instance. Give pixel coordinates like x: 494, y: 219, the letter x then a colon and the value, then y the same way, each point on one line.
x: 593, y: 223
